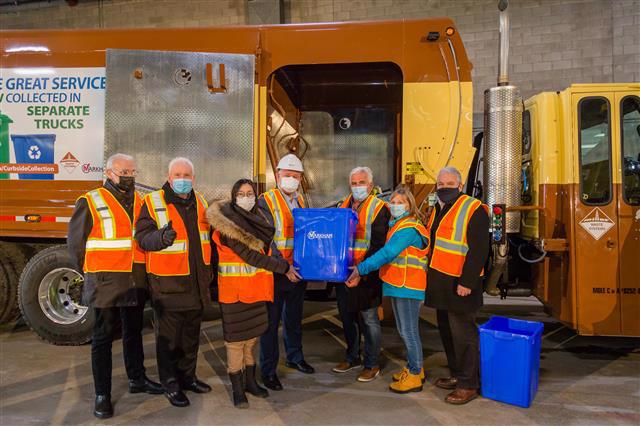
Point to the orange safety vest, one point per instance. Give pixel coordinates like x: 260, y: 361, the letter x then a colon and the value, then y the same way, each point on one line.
x: 450, y: 246
x: 111, y: 246
x: 282, y: 220
x: 367, y: 214
x: 409, y: 269
x: 174, y: 260
x: 238, y: 281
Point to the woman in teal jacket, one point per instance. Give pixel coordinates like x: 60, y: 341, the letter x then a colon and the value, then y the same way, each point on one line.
x: 402, y: 263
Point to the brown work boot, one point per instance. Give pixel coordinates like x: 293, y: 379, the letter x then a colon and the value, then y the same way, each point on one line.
x: 447, y: 383
x: 345, y: 366
x: 461, y: 396
x: 368, y: 374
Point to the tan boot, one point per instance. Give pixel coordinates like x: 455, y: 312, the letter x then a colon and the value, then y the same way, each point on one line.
x: 408, y: 383
x: 396, y: 376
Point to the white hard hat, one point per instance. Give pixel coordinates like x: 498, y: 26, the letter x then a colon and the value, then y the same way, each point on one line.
x: 290, y: 162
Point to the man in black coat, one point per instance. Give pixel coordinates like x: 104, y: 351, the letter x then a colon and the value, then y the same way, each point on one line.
x: 178, y: 300
x: 457, y: 295
x: 117, y: 298
x: 358, y: 306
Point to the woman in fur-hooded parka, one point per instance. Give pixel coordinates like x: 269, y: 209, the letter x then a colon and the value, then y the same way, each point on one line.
x: 240, y: 227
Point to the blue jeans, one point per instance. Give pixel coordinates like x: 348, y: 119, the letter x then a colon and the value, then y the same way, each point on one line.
x: 368, y: 324
x: 407, y: 315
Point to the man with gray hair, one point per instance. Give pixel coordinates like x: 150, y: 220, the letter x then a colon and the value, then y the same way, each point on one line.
x: 358, y: 306
x: 459, y: 246
x: 100, y: 241
x: 174, y: 232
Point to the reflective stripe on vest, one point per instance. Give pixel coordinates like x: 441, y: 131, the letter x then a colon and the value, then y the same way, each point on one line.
x: 367, y: 214
x: 450, y: 246
x: 174, y: 260
x: 409, y: 269
x: 282, y: 220
x: 110, y: 246
x: 237, y: 280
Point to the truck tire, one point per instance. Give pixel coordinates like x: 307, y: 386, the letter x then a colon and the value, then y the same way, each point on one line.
x: 49, y: 295
x: 9, y: 258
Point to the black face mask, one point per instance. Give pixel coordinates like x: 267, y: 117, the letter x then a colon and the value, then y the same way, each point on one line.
x: 126, y: 183
x: 447, y: 195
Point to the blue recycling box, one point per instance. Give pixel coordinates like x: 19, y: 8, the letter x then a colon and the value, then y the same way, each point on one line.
x: 34, y: 149
x: 510, y: 360
x: 323, y: 243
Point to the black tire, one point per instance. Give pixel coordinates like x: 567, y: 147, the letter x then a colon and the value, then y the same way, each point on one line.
x: 10, y: 258
x: 76, y: 328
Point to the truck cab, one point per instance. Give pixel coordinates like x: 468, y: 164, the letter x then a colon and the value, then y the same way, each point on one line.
x: 581, y: 180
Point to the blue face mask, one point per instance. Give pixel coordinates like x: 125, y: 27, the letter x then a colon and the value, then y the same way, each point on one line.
x: 182, y: 186
x: 359, y: 192
x: 397, y: 210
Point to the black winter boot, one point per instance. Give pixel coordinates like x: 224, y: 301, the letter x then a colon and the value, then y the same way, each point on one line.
x: 250, y: 384
x: 237, y: 385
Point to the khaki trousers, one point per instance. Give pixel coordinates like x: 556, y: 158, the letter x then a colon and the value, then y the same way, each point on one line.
x: 240, y: 354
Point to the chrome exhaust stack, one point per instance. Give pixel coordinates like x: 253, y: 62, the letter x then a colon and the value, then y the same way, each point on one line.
x: 502, y: 167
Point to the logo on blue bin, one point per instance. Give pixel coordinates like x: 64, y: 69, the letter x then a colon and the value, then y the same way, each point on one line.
x: 313, y: 235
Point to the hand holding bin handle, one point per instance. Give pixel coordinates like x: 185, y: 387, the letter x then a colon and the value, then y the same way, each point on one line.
x: 293, y: 275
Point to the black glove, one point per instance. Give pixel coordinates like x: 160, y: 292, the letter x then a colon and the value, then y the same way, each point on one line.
x: 168, y: 234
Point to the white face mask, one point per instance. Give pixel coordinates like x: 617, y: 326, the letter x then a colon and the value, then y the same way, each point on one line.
x: 360, y: 193
x: 289, y: 184
x: 246, y: 203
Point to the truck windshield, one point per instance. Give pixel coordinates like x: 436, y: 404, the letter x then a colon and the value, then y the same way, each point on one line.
x: 630, y: 128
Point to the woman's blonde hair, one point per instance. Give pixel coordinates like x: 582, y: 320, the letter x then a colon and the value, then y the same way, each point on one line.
x: 405, y: 192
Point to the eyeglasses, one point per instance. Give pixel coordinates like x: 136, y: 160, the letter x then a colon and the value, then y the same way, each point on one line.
x: 126, y: 172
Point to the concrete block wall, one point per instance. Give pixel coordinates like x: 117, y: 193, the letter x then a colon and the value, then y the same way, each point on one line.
x: 553, y: 42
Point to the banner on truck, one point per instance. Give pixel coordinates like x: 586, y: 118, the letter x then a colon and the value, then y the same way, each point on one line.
x: 52, y: 123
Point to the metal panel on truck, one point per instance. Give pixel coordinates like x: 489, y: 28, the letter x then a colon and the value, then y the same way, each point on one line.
x: 161, y: 105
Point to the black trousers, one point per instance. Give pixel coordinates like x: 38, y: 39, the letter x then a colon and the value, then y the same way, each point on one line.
x: 460, y: 339
x: 288, y: 300
x: 109, y: 321
x: 177, y: 342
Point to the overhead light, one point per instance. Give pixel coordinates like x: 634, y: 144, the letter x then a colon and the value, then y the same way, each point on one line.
x: 28, y: 49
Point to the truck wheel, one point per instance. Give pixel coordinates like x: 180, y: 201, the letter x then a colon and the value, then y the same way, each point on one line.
x: 8, y: 284
x: 49, y: 296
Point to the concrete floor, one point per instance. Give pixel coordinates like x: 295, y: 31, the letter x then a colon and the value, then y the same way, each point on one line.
x: 583, y: 380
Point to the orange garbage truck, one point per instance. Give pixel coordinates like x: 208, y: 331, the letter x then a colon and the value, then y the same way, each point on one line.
x: 393, y: 95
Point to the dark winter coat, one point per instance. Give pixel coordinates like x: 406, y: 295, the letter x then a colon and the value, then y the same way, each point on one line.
x: 368, y: 293
x: 246, y: 234
x: 105, y: 289
x: 442, y: 288
x: 177, y: 293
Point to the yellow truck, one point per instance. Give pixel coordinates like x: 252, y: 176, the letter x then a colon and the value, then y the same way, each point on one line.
x: 393, y: 95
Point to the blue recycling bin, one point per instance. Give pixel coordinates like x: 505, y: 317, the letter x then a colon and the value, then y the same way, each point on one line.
x: 34, y: 149
x: 323, y: 243
x: 510, y: 360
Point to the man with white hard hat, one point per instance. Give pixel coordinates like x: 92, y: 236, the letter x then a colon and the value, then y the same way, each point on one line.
x: 288, y: 295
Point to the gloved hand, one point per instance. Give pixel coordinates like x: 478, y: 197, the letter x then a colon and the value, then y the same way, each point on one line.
x: 168, y: 234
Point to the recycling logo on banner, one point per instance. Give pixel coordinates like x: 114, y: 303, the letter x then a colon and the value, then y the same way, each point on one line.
x: 596, y: 223
x: 34, y: 152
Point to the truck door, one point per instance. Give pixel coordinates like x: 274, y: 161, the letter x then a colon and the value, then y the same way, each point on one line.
x: 161, y: 105
x: 596, y: 245
x: 628, y: 201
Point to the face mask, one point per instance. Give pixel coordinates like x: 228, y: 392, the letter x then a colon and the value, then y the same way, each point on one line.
x: 246, y: 203
x: 359, y: 192
x: 182, y: 186
x: 126, y: 183
x: 397, y: 210
x: 446, y: 195
x: 289, y: 184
